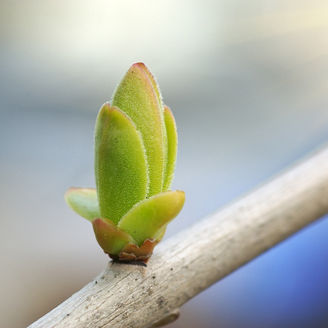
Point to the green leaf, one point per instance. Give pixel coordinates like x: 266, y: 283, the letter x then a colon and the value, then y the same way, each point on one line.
x: 172, y: 147
x: 120, y: 163
x: 110, y: 238
x: 138, y: 96
x: 83, y: 201
x: 152, y: 79
x: 147, y: 217
x: 160, y: 101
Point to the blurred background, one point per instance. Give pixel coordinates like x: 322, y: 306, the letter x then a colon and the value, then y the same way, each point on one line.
x: 247, y: 81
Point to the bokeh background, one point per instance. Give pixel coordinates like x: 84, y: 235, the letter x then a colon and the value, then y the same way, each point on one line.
x: 248, y: 84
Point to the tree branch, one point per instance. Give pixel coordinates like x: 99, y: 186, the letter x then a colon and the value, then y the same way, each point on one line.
x: 181, y: 267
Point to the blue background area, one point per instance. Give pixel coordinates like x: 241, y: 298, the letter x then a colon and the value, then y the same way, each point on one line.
x: 247, y: 82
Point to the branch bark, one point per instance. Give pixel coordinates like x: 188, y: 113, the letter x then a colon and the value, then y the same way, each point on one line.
x: 181, y: 267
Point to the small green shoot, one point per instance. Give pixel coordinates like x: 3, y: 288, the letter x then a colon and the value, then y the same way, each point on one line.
x: 135, y: 155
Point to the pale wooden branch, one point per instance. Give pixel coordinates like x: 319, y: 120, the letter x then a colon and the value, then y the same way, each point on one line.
x: 181, y: 267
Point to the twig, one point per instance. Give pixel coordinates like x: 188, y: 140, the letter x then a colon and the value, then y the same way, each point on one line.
x: 134, y: 296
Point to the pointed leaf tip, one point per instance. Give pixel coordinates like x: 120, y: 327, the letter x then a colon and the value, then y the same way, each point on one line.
x: 145, y: 70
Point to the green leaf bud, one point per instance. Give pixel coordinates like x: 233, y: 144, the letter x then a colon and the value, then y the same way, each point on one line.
x: 135, y: 155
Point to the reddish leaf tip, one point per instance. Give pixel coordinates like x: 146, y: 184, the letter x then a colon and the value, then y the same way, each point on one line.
x: 139, y: 64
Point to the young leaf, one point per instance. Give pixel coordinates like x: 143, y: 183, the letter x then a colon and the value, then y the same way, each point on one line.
x: 110, y: 238
x: 172, y: 146
x: 147, y: 217
x: 137, y: 97
x: 120, y: 163
x: 83, y: 201
x: 155, y: 85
